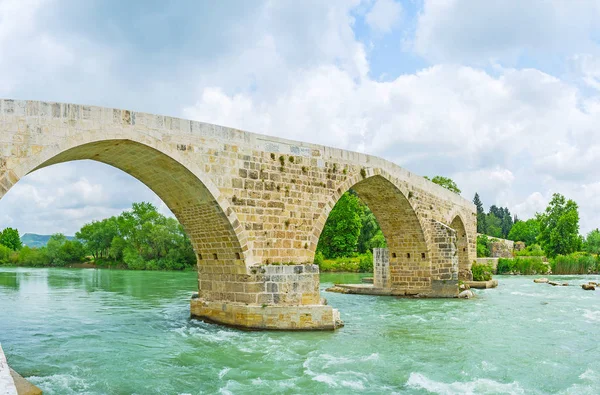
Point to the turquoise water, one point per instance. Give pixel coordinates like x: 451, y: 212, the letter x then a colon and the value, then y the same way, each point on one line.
x: 76, y: 331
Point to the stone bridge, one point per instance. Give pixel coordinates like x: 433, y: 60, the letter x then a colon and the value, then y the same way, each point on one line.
x: 253, y: 205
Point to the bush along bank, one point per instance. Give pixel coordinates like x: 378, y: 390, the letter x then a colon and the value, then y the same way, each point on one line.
x: 523, y: 265
x: 576, y: 263
x: 359, y: 263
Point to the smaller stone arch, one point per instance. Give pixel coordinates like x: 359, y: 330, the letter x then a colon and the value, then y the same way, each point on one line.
x: 409, y: 252
x: 462, y: 248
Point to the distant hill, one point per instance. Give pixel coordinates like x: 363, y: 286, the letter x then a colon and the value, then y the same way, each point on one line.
x: 34, y: 240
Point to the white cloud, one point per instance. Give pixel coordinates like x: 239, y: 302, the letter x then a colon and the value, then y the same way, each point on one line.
x: 62, y: 197
x: 504, y: 136
x: 298, y: 71
x: 474, y: 31
x: 587, y: 67
x: 384, y: 15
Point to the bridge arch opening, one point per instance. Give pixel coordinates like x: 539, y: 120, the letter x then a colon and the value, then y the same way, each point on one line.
x: 408, y: 253
x: 210, y: 230
x: 462, y: 248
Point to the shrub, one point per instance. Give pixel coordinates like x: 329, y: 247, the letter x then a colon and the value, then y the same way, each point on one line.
x: 365, y: 263
x: 319, y: 258
x: 483, y: 246
x: 33, y: 256
x: 5, y: 253
x: 482, y: 272
x: 133, y: 259
x: 532, y: 250
x: 575, y: 263
x: 522, y: 265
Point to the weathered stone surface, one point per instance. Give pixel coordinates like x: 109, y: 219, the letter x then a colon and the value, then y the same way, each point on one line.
x: 467, y: 294
x: 540, y: 280
x: 481, y: 284
x: 23, y: 386
x: 588, y: 287
x: 248, y: 201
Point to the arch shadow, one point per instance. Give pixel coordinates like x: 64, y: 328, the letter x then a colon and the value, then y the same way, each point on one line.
x: 462, y: 248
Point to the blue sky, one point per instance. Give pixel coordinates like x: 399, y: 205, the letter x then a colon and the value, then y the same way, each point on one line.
x: 501, y: 96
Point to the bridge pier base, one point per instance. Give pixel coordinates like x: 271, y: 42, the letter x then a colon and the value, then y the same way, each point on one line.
x: 269, y: 297
x: 270, y: 317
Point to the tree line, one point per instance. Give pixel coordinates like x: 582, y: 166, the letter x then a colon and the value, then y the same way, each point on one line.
x: 140, y: 238
x: 555, y: 230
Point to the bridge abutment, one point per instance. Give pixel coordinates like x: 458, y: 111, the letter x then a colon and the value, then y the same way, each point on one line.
x: 274, y: 297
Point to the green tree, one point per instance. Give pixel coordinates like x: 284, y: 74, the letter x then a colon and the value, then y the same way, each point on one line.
x: 339, y: 237
x: 445, y: 182
x: 142, y: 238
x: 592, y: 242
x: 525, y: 231
x: 493, y: 225
x: 481, y: 226
x: 483, y: 246
x: 559, y: 227
x: 370, y: 235
x: 11, y: 239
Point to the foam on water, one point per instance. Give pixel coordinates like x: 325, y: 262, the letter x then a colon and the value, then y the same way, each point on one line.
x: 591, y: 315
x: 478, y: 386
x: 60, y: 384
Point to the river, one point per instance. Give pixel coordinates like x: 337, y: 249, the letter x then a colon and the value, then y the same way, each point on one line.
x: 87, y: 331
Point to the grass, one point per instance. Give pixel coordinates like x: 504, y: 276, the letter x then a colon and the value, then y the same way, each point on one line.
x: 576, y: 263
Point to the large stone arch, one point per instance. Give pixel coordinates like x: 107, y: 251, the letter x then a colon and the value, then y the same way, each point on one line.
x: 405, y: 234
x: 209, y: 222
x: 462, y: 248
x: 213, y: 229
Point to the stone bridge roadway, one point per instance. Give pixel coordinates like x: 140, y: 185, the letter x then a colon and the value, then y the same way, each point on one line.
x: 253, y: 205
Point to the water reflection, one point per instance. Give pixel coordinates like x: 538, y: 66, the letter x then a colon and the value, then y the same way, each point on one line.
x: 9, y: 280
x: 151, y: 287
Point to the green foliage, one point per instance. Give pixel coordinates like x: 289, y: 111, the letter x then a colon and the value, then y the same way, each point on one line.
x: 483, y: 246
x: 370, y: 235
x: 559, y: 227
x: 365, y: 263
x: 525, y: 231
x: 445, y: 182
x: 360, y: 263
x: 11, y: 239
x: 133, y: 259
x: 319, y: 258
x: 496, y: 223
x: 576, y: 263
x: 522, y: 265
x: 340, y: 234
x: 480, y: 214
x: 592, y: 242
x: 531, y: 250
x: 482, y: 272
x: 138, y: 239
x: 33, y: 256
x: 60, y: 251
x: 5, y: 254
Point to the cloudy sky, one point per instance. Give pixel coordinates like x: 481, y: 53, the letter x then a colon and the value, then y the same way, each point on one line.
x: 504, y: 97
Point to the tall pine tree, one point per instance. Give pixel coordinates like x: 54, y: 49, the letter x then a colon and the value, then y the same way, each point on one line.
x: 481, y: 226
